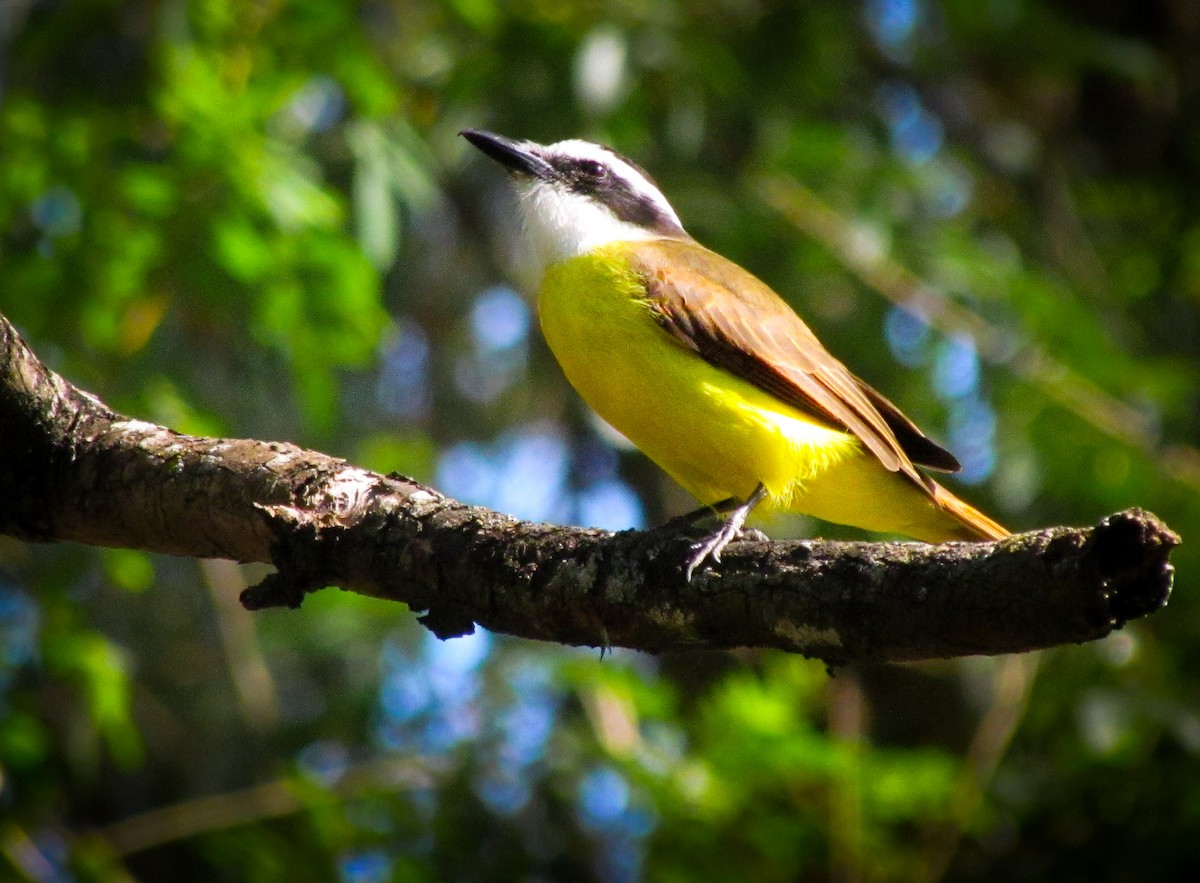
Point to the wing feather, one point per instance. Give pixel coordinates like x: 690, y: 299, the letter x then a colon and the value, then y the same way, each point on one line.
x: 735, y: 322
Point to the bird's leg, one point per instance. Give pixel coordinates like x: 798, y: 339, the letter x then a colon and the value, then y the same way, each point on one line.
x: 687, y: 519
x: 712, y: 545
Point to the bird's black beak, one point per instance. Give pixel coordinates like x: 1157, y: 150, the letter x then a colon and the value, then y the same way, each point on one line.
x: 519, y: 157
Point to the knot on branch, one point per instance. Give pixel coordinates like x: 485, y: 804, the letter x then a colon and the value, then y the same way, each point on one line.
x: 299, y: 554
x: 1130, y: 551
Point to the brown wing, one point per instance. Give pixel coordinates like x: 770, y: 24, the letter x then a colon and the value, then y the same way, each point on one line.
x: 735, y: 322
x: 913, y: 442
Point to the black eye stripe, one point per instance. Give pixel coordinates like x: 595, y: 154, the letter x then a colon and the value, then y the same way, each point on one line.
x: 594, y: 178
x: 579, y: 172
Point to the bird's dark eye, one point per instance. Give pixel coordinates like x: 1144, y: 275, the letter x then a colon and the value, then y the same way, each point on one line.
x: 590, y: 168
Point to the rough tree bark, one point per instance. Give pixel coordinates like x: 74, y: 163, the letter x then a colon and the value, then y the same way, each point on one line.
x: 72, y: 469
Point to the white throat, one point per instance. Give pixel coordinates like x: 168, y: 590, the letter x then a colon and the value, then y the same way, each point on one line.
x: 561, y: 225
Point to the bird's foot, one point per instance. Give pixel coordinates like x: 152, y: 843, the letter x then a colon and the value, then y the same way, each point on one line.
x: 710, y: 547
x: 714, y: 544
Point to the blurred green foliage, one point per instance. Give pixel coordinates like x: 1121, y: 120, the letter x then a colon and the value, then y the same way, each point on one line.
x: 255, y: 218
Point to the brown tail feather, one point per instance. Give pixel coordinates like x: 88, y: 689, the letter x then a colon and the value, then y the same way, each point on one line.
x: 976, y: 525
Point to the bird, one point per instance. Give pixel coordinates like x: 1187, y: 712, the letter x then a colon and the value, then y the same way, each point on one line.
x: 707, y: 370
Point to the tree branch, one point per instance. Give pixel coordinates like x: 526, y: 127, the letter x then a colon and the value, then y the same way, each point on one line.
x: 72, y: 469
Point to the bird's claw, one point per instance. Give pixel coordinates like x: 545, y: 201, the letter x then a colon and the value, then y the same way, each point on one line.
x: 711, y: 547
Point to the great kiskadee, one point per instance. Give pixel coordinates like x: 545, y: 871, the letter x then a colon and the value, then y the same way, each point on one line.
x: 706, y: 369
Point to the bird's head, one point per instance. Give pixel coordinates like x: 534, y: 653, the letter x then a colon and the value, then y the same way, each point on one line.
x: 577, y: 196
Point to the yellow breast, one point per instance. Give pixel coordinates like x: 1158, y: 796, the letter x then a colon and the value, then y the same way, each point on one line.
x: 716, y: 434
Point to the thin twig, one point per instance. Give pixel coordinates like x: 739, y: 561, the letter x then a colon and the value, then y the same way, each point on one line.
x: 1013, y: 680
x: 253, y: 683
x: 269, y: 800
